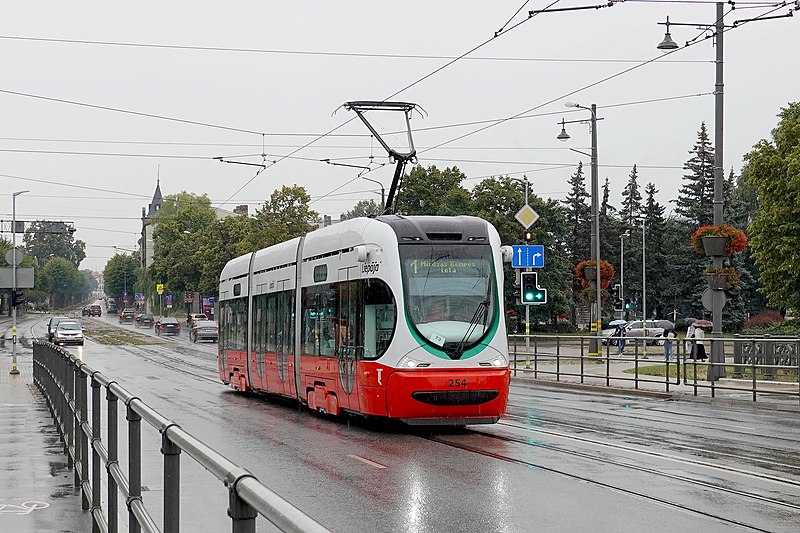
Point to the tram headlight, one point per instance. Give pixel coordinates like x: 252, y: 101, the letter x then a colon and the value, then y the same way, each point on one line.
x: 499, y: 361
x: 408, y: 362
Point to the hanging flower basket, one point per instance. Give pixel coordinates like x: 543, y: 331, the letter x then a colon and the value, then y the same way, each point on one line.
x: 585, y: 271
x: 721, y: 279
x: 719, y: 240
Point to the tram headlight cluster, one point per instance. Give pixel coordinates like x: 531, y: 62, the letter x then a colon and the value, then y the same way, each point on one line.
x: 499, y: 361
x: 408, y: 362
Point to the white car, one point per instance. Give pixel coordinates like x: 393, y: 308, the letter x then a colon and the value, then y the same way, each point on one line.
x: 68, y: 332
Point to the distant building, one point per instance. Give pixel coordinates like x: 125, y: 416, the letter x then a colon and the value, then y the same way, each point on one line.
x: 146, y: 240
x: 240, y: 210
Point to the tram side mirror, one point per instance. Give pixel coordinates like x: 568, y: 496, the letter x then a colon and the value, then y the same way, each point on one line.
x: 362, y: 253
x: 507, y: 253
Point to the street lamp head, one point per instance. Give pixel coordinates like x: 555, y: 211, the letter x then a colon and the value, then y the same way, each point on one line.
x: 571, y: 104
x: 18, y: 193
x: 563, y: 136
x: 667, y: 44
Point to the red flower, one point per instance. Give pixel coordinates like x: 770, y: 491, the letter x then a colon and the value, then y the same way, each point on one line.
x: 606, y: 272
x: 735, y: 243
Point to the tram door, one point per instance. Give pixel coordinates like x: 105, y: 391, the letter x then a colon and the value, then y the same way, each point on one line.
x: 348, y: 322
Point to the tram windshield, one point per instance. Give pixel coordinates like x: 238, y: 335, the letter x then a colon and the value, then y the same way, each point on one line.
x: 449, y: 293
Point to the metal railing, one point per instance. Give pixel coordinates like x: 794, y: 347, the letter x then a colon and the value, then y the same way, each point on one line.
x: 62, y: 378
x: 756, y: 365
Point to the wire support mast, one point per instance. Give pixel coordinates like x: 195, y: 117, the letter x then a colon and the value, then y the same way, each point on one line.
x: 401, y: 158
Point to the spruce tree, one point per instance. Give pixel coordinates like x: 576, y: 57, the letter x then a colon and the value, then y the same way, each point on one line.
x: 696, y: 196
x: 578, y: 237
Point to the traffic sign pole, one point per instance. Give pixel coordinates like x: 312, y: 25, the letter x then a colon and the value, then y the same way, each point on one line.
x: 527, y: 330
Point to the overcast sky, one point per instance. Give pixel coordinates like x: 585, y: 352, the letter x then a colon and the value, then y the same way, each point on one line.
x: 323, y: 62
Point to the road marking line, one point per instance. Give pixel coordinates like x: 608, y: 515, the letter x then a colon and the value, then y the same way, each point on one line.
x: 372, y: 463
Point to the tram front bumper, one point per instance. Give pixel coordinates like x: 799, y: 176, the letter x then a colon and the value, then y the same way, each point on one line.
x: 448, y: 396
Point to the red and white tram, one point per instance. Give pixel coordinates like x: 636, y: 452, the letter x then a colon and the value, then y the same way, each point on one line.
x: 394, y: 316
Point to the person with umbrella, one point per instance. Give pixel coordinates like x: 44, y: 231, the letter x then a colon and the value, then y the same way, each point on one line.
x: 699, y: 333
x: 669, y: 336
x: 619, y: 333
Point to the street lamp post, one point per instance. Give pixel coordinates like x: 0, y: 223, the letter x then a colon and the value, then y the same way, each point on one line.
x: 594, y: 345
x: 644, y: 279
x: 622, y: 273
x: 14, y: 369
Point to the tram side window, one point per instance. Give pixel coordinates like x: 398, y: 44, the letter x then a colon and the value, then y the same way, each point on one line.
x: 380, y: 317
x: 237, y: 327
x: 284, y: 325
x: 319, y: 310
x: 348, y: 333
x: 271, y: 319
x: 258, y: 323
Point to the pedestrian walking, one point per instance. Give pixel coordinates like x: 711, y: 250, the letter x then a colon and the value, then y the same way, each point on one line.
x: 700, y: 349
x: 690, y: 342
x: 669, y: 336
x: 620, y: 333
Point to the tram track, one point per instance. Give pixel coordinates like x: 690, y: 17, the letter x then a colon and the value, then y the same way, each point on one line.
x: 704, y: 423
x: 681, y: 447
x: 637, y: 494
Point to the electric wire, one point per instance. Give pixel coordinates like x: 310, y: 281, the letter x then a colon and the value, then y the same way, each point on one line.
x: 127, y: 111
x: 329, y: 54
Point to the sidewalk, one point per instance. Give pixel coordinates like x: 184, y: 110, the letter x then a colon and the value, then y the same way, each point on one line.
x: 620, y: 381
x: 36, y: 488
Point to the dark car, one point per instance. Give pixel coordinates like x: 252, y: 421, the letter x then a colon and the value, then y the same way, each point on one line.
x: 168, y: 325
x: 144, y: 320
x: 204, y: 330
x: 126, y: 315
x: 91, y: 310
x: 52, y: 325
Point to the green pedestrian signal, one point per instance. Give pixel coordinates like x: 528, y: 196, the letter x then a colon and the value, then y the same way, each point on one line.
x: 628, y: 305
x: 531, y: 293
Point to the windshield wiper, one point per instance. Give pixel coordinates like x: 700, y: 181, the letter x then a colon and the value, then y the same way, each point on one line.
x: 481, y: 315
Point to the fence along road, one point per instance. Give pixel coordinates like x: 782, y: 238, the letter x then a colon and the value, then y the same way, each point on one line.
x: 757, y: 366
x: 62, y: 378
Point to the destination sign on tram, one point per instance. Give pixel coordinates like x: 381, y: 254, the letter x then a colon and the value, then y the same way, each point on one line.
x: 445, y: 267
x: 530, y: 256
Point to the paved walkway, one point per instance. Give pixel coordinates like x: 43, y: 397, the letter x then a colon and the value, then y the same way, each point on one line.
x: 36, y: 487
x: 618, y: 376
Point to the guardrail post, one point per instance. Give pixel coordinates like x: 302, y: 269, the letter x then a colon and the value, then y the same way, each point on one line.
x: 134, y: 464
x: 737, y: 355
x: 243, y: 516
x: 95, y: 454
x: 84, y: 438
x: 172, y: 483
x: 769, y: 358
x: 112, y: 459
x: 76, y: 419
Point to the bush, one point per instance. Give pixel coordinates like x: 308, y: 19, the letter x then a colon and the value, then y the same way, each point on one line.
x: 561, y: 327
x: 764, y: 319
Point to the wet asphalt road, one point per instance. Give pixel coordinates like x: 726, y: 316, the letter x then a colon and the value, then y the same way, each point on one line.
x: 560, y: 460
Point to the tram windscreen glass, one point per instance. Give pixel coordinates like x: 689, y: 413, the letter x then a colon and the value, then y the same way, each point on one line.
x: 449, y: 292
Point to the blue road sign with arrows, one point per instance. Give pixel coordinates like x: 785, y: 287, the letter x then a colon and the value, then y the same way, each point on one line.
x: 530, y: 256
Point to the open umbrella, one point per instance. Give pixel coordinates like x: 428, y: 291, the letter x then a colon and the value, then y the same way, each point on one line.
x: 690, y: 321
x: 617, y: 322
x: 703, y: 324
x: 666, y: 324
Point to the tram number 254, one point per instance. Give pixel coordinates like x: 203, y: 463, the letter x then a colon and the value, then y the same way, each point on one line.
x: 457, y: 383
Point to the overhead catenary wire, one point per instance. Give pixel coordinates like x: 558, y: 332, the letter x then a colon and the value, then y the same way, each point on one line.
x: 327, y: 53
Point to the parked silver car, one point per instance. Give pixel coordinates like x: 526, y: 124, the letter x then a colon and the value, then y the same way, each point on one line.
x: 637, y: 329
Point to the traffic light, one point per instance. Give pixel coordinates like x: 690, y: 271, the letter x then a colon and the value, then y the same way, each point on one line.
x: 616, y: 298
x: 17, y: 298
x: 528, y: 236
x: 628, y: 305
x: 532, y: 294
